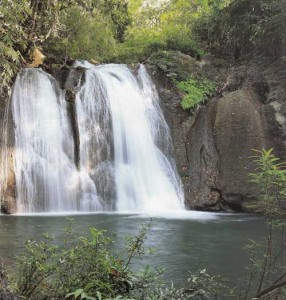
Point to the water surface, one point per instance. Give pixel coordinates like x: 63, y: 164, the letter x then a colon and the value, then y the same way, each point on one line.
x: 186, y: 241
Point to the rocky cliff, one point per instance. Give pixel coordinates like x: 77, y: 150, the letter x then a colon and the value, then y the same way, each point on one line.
x: 214, y: 143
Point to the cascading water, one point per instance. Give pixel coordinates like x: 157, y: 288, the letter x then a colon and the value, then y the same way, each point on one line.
x: 143, y: 177
x: 124, y: 144
x: 44, y: 168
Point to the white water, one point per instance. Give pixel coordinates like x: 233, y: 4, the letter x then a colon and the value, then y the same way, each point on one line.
x: 144, y: 178
x: 124, y: 145
x: 44, y: 165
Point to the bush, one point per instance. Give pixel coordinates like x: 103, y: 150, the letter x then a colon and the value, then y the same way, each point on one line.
x: 270, y: 177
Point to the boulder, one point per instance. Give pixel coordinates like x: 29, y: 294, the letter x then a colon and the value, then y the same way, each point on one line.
x: 220, y: 150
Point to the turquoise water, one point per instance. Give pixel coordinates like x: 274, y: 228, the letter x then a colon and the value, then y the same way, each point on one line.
x: 184, y: 242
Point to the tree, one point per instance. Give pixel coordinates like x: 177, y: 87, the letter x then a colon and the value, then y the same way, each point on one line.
x: 31, y: 24
x: 117, y: 10
x: 24, y: 25
x: 245, y: 28
x: 13, y: 38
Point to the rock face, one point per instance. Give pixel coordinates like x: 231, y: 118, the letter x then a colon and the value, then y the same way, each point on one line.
x: 213, y: 145
x: 7, y: 175
x: 174, y: 116
x: 220, y: 149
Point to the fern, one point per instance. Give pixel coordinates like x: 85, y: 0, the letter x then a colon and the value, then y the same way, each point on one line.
x: 196, y: 91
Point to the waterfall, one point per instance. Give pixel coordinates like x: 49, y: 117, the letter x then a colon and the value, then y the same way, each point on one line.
x: 44, y: 168
x: 124, y: 144
x: 124, y: 137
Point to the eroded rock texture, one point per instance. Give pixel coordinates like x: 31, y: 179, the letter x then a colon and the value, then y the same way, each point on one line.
x: 214, y: 144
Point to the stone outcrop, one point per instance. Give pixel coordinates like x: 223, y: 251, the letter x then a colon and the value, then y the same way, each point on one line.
x: 213, y: 145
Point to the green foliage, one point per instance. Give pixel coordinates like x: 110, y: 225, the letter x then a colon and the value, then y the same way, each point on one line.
x: 115, y: 12
x: 140, y: 44
x: 267, y: 273
x: 13, y: 39
x: 89, y: 30
x: 81, y: 37
x: 167, y: 26
x: 120, y: 18
x: 46, y: 269
x: 164, y: 26
x: 88, y: 268
x: 67, y: 28
x: 24, y: 24
x: 270, y: 176
x: 245, y: 28
x: 197, y: 90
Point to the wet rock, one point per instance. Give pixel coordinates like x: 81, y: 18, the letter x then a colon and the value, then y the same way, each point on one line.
x: 165, y: 68
x: 214, y: 144
x: 8, y: 182
x: 176, y: 118
x: 8, y: 205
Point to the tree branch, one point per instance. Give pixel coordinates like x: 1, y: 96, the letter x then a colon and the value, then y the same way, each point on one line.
x: 270, y: 289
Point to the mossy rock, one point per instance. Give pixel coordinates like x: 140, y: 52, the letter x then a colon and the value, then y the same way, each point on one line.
x: 180, y: 67
x: 175, y: 64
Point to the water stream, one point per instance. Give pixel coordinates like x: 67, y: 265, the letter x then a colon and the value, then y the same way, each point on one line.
x: 124, y: 147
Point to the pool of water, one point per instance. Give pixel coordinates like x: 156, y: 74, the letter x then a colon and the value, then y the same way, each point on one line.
x: 186, y: 241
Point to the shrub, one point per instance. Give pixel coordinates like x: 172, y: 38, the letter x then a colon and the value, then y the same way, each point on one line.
x: 270, y: 177
x: 267, y: 274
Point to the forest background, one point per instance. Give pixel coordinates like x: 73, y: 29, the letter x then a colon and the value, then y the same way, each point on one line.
x: 124, y: 31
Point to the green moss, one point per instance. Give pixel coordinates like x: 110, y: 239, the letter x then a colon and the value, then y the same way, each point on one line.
x: 196, y: 91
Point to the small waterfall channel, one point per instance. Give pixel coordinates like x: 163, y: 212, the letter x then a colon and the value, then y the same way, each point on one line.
x: 124, y: 146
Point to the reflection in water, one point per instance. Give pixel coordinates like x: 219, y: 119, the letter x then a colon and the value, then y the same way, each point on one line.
x: 186, y: 242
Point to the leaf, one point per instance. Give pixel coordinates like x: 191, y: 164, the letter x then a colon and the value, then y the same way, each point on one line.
x: 98, y: 294
x: 77, y: 293
x: 89, y: 286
